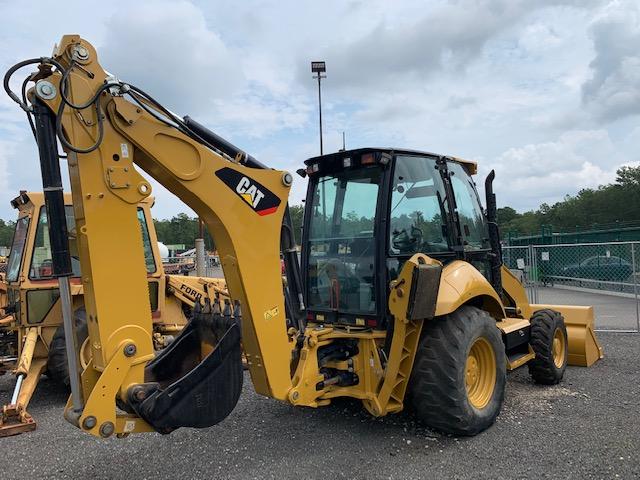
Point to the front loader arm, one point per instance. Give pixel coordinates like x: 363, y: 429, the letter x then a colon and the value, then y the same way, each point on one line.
x: 243, y: 208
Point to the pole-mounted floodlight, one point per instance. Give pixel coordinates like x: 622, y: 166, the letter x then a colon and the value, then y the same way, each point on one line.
x: 319, y: 68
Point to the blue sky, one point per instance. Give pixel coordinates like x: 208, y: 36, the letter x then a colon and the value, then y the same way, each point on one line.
x: 546, y: 92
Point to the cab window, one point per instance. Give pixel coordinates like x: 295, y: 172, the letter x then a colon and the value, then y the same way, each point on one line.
x: 41, y: 259
x: 472, y: 222
x: 149, y: 261
x: 417, y: 220
x: 17, y: 248
x: 342, y: 242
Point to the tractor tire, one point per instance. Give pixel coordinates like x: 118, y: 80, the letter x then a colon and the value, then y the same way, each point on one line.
x: 549, y: 343
x: 57, y: 366
x: 458, y: 379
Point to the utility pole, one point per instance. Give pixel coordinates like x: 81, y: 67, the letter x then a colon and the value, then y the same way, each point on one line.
x: 319, y: 68
x: 201, y: 255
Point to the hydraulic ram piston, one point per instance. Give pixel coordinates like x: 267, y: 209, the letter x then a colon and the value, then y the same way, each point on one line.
x: 59, y: 238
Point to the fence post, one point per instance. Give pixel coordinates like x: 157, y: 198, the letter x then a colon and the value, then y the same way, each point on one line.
x: 635, y: 285
x: 533, y: 279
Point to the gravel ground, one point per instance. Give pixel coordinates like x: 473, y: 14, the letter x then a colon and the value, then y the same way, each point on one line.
x: 587, y: 427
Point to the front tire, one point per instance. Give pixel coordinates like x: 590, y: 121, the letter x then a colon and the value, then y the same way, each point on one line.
x: 549, y: 343
x: 459, y: 374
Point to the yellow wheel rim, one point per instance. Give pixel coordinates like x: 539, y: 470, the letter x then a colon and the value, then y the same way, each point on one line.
x: 480, y: 373
x: 559, y: 348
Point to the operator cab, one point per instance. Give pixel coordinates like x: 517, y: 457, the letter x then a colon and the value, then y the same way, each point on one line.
x: 368, y: 211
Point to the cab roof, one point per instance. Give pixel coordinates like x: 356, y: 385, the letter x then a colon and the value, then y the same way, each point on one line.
x: 470, y: 166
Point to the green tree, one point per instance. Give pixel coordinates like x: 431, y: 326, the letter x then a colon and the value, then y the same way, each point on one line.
x: 297, y: 215
x: 589, y: 208
x: 6, y: 233
x: 628, y: 176
x: 181, y: 229
x: 506, y: 214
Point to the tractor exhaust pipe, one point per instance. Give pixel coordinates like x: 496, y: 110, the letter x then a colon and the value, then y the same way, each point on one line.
x: 494, y: 234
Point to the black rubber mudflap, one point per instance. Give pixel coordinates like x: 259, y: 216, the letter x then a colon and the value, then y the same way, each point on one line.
x: 183, y: 390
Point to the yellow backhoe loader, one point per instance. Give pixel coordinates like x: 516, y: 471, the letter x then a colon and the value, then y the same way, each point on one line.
x: 32, y: 338
x: 401, y: 297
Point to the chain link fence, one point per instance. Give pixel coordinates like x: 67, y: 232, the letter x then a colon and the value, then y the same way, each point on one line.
x: 603, y: 275
x: 187, y: 266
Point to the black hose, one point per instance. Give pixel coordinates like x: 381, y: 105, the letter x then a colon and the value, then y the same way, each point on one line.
x: 24, y: 100
x: 95, y: 101
x: 64, y: 82
x: 180, y: 124
x: 64, y: 141
x: 9, y: 74
x: 140, y: 101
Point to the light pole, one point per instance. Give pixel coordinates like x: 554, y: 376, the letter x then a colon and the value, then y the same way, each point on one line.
x: 319, y: 68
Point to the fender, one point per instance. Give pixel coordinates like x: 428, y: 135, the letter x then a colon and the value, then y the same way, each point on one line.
x: 460, y: 283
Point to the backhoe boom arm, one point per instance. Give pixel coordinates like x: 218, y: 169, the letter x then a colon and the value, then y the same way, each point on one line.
x: 106, y: 136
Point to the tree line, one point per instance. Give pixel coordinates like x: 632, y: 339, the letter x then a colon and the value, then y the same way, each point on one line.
x: 183, y: 229
x: 614, y: 202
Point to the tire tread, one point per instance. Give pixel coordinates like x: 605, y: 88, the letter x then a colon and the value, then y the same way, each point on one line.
x: 543, y: 326
x: 437, y: 392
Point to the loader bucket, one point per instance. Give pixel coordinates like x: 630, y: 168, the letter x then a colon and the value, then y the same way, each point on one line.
x: 584, y: 348
x: 194, y: 382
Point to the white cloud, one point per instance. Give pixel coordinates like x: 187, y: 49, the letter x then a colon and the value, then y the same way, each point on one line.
x: 543, y: 91
x: 167, y: 49
x: 260, y: 115
x: 613, y: 91
x: 545, y: 172
x: 446, y: 37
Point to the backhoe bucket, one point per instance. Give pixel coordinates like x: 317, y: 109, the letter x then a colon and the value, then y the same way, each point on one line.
x: 584, y: 348
x: 196, y: 381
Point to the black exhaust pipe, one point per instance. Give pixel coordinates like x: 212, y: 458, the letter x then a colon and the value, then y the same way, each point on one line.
x: 494, y: 234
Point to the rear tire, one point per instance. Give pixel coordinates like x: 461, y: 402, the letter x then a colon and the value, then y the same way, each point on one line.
x: 459, y: 374
x: 549, y: 343
x: 57, y: 366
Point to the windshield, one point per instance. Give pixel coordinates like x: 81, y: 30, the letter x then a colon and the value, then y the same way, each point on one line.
x: 342, y: 242
x: 17, y: 247
x: 417, y: 219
